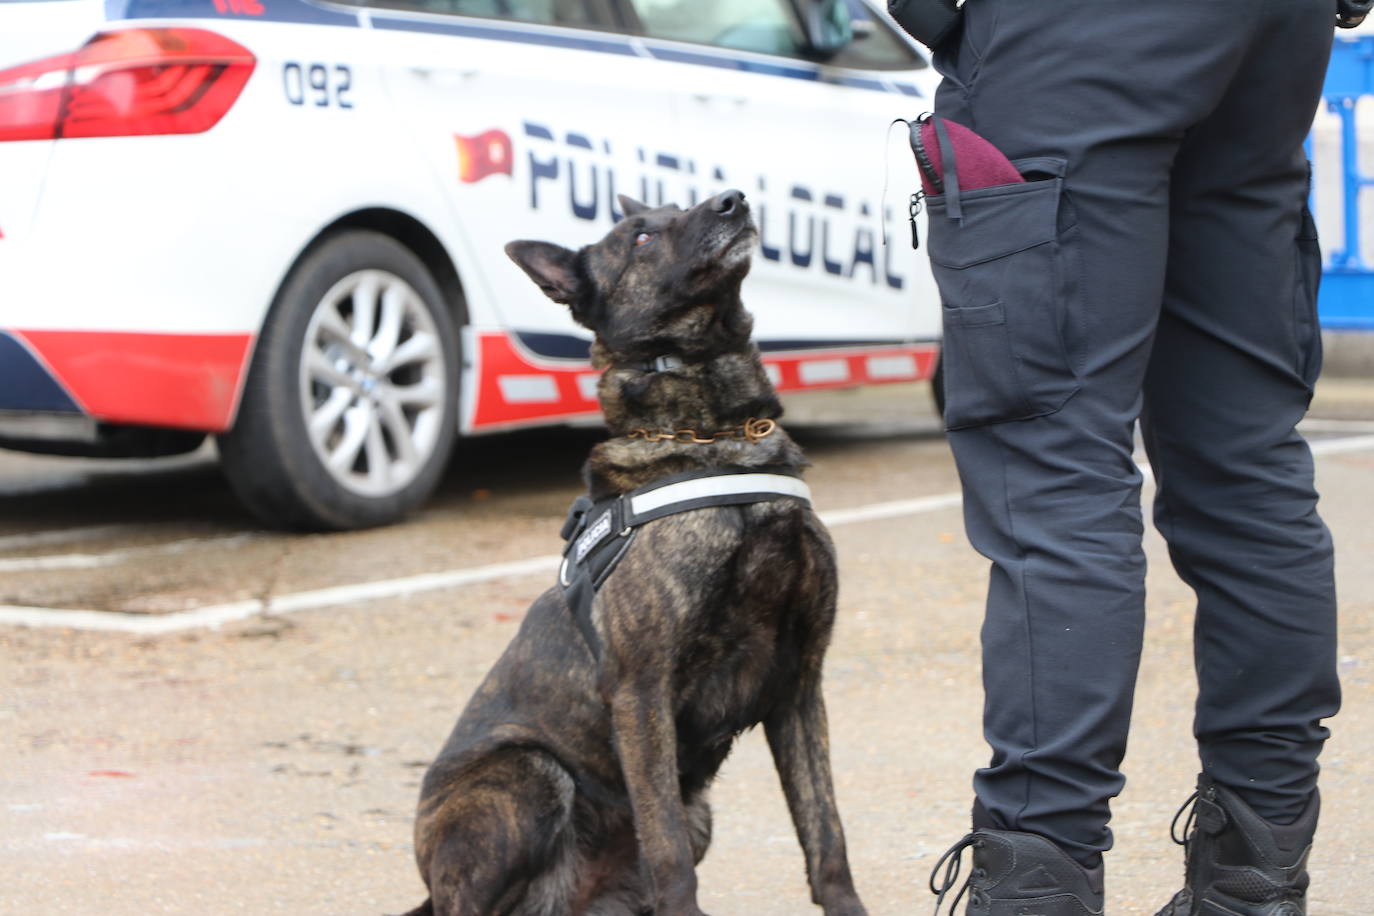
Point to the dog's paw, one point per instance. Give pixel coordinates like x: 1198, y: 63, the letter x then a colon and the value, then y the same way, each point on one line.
x: 850, y: 907
x: 688, y: 910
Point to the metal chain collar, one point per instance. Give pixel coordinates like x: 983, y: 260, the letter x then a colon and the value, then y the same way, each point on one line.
x: 753, y: 430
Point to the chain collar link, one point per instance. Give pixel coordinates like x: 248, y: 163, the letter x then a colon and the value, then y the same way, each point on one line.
x: 754, y: 429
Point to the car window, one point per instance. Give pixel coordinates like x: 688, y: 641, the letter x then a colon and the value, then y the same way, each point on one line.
x: 550, y: 12
x: 876, y: 46
x: 766, y: 26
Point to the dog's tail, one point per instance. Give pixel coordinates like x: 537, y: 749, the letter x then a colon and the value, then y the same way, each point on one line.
x: 424, y: 909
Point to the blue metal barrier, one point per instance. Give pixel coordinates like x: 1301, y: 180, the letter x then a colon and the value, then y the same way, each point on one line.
x: 1347, y: 292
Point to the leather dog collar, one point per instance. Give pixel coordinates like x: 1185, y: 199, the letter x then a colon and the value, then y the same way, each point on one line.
x: 657, y: 364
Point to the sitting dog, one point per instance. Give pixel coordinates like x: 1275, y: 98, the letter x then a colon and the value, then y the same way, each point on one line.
x: 696, y: 601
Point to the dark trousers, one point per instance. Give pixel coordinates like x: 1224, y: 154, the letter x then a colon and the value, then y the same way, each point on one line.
x: 1161, y: 267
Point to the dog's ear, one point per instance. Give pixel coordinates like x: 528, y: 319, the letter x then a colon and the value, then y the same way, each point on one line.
x: 552, y: 267
x: 631, y: 207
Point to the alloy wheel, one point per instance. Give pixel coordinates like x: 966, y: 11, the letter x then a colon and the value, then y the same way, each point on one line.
x: 372, y: 383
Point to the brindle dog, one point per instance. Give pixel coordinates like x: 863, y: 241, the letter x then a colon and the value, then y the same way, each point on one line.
x: 576, y: 786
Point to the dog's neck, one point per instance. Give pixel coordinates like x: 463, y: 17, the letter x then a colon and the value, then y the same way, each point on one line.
x: 711, y: 396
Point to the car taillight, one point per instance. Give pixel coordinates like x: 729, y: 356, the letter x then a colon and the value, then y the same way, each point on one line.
x: 31, y: 98
x: 126, y: 83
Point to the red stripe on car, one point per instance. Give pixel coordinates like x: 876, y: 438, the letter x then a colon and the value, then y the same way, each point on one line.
x: 186, y: 381
x: 520, y: 401
x: 499, y: 357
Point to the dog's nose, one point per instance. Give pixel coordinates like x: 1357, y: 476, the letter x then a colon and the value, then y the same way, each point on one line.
x: 729, y: 203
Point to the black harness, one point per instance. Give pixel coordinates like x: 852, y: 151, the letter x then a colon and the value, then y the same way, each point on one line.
x: 600, y: 533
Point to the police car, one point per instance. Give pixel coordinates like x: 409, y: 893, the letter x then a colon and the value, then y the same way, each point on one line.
x: 281, y: 221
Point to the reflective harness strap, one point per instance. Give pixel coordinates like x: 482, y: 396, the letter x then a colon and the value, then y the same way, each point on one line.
x: 600, y: 533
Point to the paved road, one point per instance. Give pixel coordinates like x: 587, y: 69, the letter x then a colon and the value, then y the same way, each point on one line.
x: 271, y: 765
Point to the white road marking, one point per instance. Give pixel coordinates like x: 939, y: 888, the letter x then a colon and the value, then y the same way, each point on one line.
x: 114, y: 557
x: 87, y: 843
x: 65, y: 536
x: 217, y: 615
x: 1321, y: 425
x: 1342, y: 446
x: 891, y: 509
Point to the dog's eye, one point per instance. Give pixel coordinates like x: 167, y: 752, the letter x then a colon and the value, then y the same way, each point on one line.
x: 644, y: 238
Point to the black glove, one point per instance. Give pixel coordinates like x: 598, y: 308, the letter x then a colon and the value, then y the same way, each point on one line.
x: 1350, y: 13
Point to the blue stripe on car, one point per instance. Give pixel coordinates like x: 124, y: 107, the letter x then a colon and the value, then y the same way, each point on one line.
x: 790, y: 71
x: 26, y: 385
x: 555, y: 346
x: 684, y: 56
x: 570, y: 346
x: 305, y: 12
x: 856, y: 82
x: 505, y: 33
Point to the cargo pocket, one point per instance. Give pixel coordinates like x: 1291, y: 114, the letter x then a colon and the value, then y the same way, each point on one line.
x: 1008, y: 277
x: 1307, y: 328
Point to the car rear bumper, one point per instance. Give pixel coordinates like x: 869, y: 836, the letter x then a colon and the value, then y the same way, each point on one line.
x: 180, y: 381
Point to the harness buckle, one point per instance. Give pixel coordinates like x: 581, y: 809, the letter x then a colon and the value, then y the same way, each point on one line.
x: 577, y: 518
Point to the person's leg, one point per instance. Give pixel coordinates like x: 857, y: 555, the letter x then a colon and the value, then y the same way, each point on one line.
x: 1237, y: 351
x: 1236, y: 354
x: 1043, y: 382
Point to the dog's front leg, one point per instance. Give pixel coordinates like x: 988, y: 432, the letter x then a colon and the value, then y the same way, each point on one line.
x: 646, y: 742
x: 800, y: 741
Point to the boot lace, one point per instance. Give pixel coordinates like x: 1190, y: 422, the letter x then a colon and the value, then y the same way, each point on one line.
x: 1183, y: 839
x: 1191, y: 807
x: 952, y: 864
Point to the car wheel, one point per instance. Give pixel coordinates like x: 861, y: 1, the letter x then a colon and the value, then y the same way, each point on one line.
x: 351, y: 406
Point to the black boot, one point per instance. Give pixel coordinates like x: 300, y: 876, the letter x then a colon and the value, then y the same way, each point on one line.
x: 1016, y: 873
x: 1237, y: 863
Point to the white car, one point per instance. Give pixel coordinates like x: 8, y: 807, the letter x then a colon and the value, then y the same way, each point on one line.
x: 281, y: 221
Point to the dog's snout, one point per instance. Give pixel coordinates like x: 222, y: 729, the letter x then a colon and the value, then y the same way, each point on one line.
x: 730, y: 203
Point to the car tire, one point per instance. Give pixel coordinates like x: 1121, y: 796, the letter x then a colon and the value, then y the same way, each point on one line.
x: 350, y: 409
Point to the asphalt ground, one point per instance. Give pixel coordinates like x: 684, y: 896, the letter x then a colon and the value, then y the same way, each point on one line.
x: 271, y: 764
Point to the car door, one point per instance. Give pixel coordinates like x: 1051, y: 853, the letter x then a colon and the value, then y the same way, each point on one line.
x: 805, y: 140
x: 532, y: 115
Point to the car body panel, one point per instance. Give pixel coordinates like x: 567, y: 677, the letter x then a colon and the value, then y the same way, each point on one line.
x: 480, y: 131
